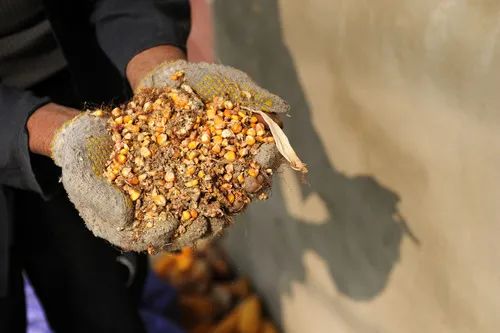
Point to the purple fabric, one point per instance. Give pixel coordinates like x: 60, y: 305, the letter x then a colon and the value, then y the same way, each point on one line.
x: 158, y: 304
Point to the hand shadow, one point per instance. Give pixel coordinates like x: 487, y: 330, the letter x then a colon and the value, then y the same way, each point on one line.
x: 360, y: 242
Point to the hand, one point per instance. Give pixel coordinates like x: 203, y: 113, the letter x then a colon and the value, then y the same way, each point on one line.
x: 147, y: 60
x: 44, y: 123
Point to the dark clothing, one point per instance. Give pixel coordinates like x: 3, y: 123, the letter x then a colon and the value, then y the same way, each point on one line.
x: 81, y: 285
x: 27, y: 41
x: 98, y: 38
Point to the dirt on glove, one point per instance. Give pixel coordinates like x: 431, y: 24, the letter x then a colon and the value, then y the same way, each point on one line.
x: 176, y: 156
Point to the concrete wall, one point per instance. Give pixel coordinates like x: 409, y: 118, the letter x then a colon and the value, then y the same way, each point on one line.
x: 396, y: 108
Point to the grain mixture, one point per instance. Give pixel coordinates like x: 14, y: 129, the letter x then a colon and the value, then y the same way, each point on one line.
x: 175, y: 156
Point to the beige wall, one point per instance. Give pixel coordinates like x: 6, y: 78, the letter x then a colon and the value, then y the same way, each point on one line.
x: 396, y: 107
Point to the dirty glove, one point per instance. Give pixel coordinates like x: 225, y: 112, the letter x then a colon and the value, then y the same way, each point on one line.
x: 83, y: 145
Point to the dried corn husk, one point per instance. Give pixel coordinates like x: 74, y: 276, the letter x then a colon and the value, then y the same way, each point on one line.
x: 282, y: 142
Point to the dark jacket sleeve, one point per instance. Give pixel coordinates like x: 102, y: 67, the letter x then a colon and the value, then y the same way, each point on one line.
x: 15, y: 166
x: 126, y: 27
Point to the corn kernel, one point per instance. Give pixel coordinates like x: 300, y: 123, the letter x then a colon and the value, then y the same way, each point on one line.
x: 127, y: 119
x: 98, y: 113
x: 216, y: 149
x: 211, y: 113
x: 126, y: 172
x: 192, y: 145
x: 251, y: 132
x: 236, y: 128
x: 230, y: 197
x: 145, y: 152
x: 250, y: 140
x: 169, y: 176
x: 243, y: 152
x: 161, y: 139
x: 217, y: 139
x: 159, y: 200
x: 253, y: 119
x: 186, y: 215
x: 193, y: 213
x: 190, y: 170
x: 116, y: 112
x: 253, y: 172
x: 134, y: 194
x: 219, y: 123
x: 133, y: 181
x: 230, y: 156
x: 227, y: 133
x: 191, y: 155
x: 191, y: 183
x: 260, y: 129
x: 228, y: 105
x: 241, y: 178
x: 205, y: 137
x: 120, y: 158
x: 118, y: 120
x: 201, y: 174
x: 270, y: 139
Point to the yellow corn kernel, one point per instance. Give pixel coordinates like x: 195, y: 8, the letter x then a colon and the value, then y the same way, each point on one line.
x: 219, y: 123
x: 169, y: 176
x: 217, y: 139
x: 211, y: 113
x: 201, y: 174
x: 145, y: 152
x: 270, y: 139
x: 186, y: 215
x: 250, y: 140
x: 230, y: 156
x: 253, y: 172
x: 251, y: 132
x: 116, y: 112
x: 260, y: 129
x: 205, y: 137
x: 243, y: 152
x: 159, y: 200
x: 227, y: 113
x: 161, y: 139
x: 191, y: 155
x: 236, y: 128
x: 228, y: 105
x: 191, y: 183
x: 98, y: 113
x: 134, y: 194
x: 253, y: 119
x: 120, y: 158
x: 241, y: 178
x: 216, y: 149
x: 230, y: 198
x: 118, y: 120
x: 190, y: 170
x: 192, y: 145
x: 127, y: 119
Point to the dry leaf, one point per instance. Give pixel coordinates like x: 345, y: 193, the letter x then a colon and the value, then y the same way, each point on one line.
x: 282, y: 142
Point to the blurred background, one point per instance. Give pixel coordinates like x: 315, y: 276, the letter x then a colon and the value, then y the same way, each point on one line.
x: 395, y: 107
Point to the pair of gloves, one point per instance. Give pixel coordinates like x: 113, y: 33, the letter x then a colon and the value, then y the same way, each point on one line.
x: 82, y: 146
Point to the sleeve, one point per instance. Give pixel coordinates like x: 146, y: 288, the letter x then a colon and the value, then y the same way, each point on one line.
x: 124, y: 28
x: 15, y: 164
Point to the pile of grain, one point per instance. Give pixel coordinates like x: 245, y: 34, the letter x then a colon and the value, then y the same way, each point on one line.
x: 177, y: 157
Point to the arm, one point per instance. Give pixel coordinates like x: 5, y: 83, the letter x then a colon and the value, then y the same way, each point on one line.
x: 137, y: 35
x: 15, y: 108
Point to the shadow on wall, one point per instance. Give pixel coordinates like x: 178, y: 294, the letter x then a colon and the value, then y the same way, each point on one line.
x: 360, y: 242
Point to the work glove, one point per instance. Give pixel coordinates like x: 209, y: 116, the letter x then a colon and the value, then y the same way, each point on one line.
x: 83, y: 145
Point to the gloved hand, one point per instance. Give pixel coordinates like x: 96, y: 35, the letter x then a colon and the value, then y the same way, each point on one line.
x: 83, y: 145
